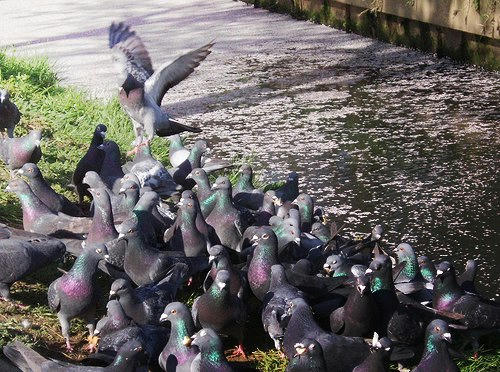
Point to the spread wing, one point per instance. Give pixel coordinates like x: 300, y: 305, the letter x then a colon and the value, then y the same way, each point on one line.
x: 171, y: 74
x: 129, y: 53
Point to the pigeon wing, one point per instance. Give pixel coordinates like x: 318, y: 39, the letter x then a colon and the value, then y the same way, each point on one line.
x: 171, y: 74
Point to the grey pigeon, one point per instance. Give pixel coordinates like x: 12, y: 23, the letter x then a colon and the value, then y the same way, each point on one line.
x: 427, y: 268
x: 308, y: 357
x: 468, y: 276
x: 145, y: 304
x: 244, y: 192
x: 103, y: 228
x: 111, y: 170
x: 220, y: 260
x: 151, y: 172
x: 265, y: 255
x: 75, y: 293
x: 28, y: 360
x: 16, y: 152
x: 142, y: 88
x: 184, y: 235
x: 206, y: 196
x: 20, y: 256
x: 9, y: 113
x: 225, y: 218
x: 178, y: 354
x: 56, y: 202
x: 379, y: 359
x: 275, y: 303
x: 180, y: 173
x: 114, y: 320
x: 436, y: 356
x: 119, y: 206
x: 341, y: 353
x: 211, y: 357
x: 91, y: 161
x: 306, y: 210
x: 290, y: 190
x: 220, y: 310
x: 37, y: 217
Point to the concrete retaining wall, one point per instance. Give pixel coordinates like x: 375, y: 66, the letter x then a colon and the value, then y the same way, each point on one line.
x: 467, y: 30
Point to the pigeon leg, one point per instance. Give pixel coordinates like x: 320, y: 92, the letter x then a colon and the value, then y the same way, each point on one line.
x: 239, y: 352
x: 64, y: 322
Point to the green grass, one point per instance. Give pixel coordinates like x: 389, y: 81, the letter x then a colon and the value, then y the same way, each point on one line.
x: 67, y: 117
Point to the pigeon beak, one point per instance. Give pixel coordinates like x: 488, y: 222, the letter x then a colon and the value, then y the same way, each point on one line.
x: 208, y: 150
x: 447, y: 336
x: 97, y: 331
x: 37, y: 142
x: 254, y: 238
x: 327, y: 268
x: 439, y: 272
x: 214, y: 186
x: 121, y: 236
x: 361, y: 288
x: 211, y: 258
x: 189, y: 176
x: 19, y: 171
x: 297, y: 240
x: 101, y: 147
x: 164, y: 318
x: 300, y: 349
x: 103, y: 134
x: 368, y: 271
x: 121, y: 191
x: 221, y: 285
x: 112, y: 295
x: 186, y: 341
x: 106, y: 256
x: 8, y: 188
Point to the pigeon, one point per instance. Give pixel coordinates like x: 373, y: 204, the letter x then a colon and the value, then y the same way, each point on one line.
x: 427, y: 268
x: 56, y: 202
x: 359, y: 315
x: 37, y: 217
x: 151, y: 172
x: 9, y: 113
x: 220, y: 260
x: 177, y: 153
x: 436, y: 356
x: 111, y: 170
x: 449, y: 296
x: 115, y: 319
x: 290, y: 190
x: 275, y: 302
x: 103, y: 226
x: 337, y: 265
x: 211, y: 356
x: 267, y: 210
x: 320, y: 231
x: 178, y: 353
x: 180, y: 173
x: 397, y: 321
x: 225, y: 218
x: 184, y: 235
x: 20, y: 257
x: 411, y: 269
x: 206, y: 196
x: 142, y: 88
x: 146, y: 303
x: 466, y: 279
x: 308, y: 357
x: 379, y: 359
x: 130, y: 190
x: 143, y: 210
x: 220, y: 310
x: 91, y: 161
x: 28, y: 360
x: 75, y: 293
x: 118, y: 206
x: 265, y: 255
x: 341, y: 353
x: 145, y: 264
x: 244, y: 192
x: 306, y: 209
x: 16, y: 152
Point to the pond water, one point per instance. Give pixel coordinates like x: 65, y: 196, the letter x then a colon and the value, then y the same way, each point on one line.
x: 413, y: 147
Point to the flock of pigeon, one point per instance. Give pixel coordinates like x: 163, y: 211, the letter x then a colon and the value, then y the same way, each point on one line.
x: 328, y: 302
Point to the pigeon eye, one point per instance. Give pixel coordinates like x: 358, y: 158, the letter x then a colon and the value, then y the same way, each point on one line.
x: 98, y: 193
x: 334, y: 261
x: 174, y: 311
x: 190, y: 204
x: 197, y: 173
x: 30, y: 170
x: 311, y: 346
x: 130, y: 230
x: 437, y: 329
x: 265, y: 236
x: 98, y: 250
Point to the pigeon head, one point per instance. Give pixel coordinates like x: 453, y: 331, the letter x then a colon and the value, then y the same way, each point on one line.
x: 404, y: 252
x: 222, y: 183
x: 35, y: 137
x: 293, y: 177
x: 4, y: 95
x: 363, y: 285
x: 92, y: 179
x: 380, y: 273
x: 129, y: 187
x: 445, y: 275
x: 303, y: 200
x: 130, y: 177
x: 198, y: 175
x: 119, y: 288
x: 100, y: 131
x: 29, y: 170
x: 427, y: 268
x: 246, y: 170
x: 201, y: 146
x: 129, y: 227
x: 131, y: 85
x: 98, y: 249
x: 174, y: 311
x: 222, y: 280
x: 216, y: 252
x: 435, y: 334
x: 308, y: 348
x: 100, y: 195
x: 207, y: 340
x: 383, y: 343
x: 377, y: 232
x: 17, y: 186
x: 332, y: 263
x: 265, y: 238
x: 112, y: 150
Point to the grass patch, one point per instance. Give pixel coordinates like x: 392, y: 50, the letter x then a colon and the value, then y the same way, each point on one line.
x: 67, y: 117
